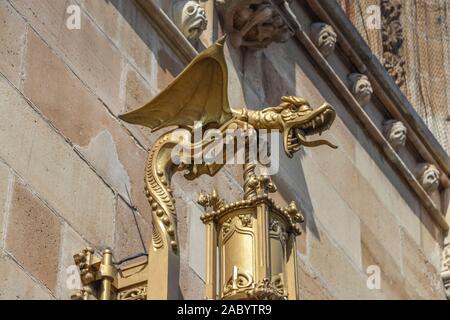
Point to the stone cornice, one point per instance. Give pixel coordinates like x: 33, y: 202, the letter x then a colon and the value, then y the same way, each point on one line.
x: 392, y: 98
x: 385, y: 87
x: 168, y: 30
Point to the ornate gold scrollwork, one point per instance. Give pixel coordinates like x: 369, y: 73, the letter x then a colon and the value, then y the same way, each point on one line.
x: 268, y: 290
x: 240, y: 281
x: 139, y: 293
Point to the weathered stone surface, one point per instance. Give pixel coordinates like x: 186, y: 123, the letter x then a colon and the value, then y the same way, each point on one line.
x: 393, y: 283
x: 390, y: 191
x: 343, y: 278
x: 12, y: 38
x: 102, y: 153
x: 105, y: 14
x: 127, y: 236
x: 191, y: 286
x: 84, y: 121
x: 4, y: 186
x: 87, y: 51
x: 71, y: 243
x: 127, y: 27
x: 431, y: 240
x: 421, y: 274
x: 53, y: 169
x: 321, y: 202
x: 33, y: 235
x: 311, y: 286
x: 137, y: 90
x: 15, y: 284
x: 169, y: 67
x: 197, y: 233
x: 381, y: 200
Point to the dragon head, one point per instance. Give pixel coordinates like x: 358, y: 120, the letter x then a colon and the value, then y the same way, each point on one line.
x: 297, y: 120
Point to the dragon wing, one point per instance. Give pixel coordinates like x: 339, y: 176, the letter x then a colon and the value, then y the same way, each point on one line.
x: 199, y: 93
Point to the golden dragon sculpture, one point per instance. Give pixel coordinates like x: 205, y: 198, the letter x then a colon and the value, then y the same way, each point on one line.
x: 200, y: 94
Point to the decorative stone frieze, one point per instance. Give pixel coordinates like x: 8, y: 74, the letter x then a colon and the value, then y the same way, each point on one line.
x: 445, y: 271
x: 395, y: 132
x: 361, y: 88
x: 253, y: 23
x: 392, y: 37
x: 190, y: 18
x: 428, y: 176
x: 324, y: 37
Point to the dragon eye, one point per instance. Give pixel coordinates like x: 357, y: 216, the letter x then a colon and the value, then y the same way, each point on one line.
x: 304, y: 108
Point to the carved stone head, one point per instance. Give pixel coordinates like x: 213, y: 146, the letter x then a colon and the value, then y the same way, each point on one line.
x: 361, y: 88
x: 395, y: 132
x: 190, y: 18
x: 428, y: 176
x: 324, y: 37
x: 253, y: 23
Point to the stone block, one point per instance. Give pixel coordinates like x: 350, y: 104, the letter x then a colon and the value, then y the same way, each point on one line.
x: 126, y: 25
x: 33, y: 235
x: 4, y: 189
x: 191, y: 286
x: 331, y: 209
x: 419, y: 272
x: 343, y: 278
x: 396, y: 197
x: 15, y: 284
x: 393, y: 283
x: 83, y: 119
x: 88, y: 52
x: 197, y: 233
x: 12, y: 37
x: 53, y: 169
x: 431, y: 239
x: 71, y: 243
x: 127, y: 239
x: 311, y: 286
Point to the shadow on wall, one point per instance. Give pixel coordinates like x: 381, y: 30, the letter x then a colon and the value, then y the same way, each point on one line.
x: 169, y: 66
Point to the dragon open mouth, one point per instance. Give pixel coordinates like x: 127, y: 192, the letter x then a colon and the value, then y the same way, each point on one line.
x: 317, y: 122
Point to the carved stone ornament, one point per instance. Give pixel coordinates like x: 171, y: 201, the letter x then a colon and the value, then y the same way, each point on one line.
x: 324, y: 37
x: 428, y: 176
x: 445, y: 272
x: 190, y: 18
x: 392, y: 37
x: 395, y: 132
x: 253, y: 23
x: 361, y: 88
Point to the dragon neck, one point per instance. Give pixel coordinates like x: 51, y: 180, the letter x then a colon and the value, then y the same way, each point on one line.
x: 260, y: 119
x: 159, y: 171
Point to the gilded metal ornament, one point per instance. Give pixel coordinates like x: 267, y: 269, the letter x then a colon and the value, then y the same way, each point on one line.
x: 240, y: 230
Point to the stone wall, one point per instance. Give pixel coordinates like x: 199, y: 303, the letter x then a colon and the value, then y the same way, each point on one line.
x: 71, y: 173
